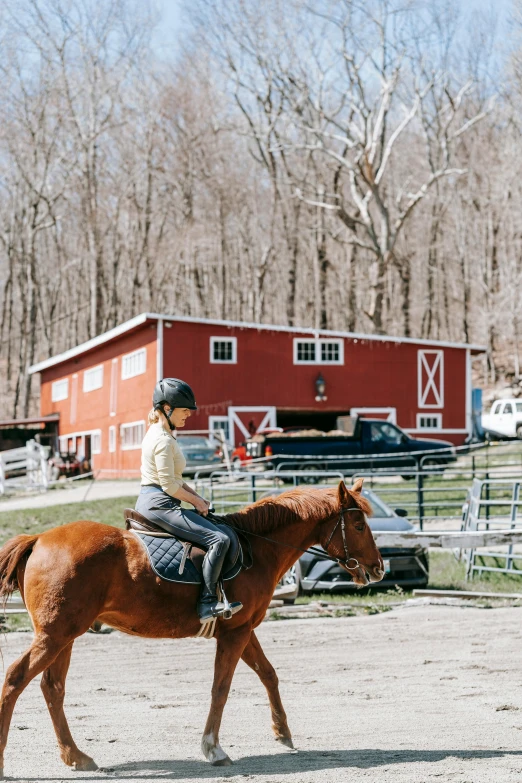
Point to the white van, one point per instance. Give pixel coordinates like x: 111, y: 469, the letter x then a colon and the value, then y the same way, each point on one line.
x: 504, y: 418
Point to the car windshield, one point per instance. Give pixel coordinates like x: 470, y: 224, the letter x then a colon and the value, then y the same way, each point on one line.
x: 380, y: 509
x: 193, y: 440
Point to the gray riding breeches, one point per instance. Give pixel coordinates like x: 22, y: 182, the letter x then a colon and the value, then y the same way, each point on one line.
x: 166, y: 512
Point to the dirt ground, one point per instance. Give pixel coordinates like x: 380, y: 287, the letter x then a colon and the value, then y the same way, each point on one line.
x: 417, y: 694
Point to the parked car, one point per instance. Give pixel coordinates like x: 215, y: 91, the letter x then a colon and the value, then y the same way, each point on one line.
x: 199, y: 452
x: 367, y: 443
x: 407, y: 568
x: 504, y: 419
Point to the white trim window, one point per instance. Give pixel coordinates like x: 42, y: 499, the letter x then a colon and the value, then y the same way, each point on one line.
x: 219, y: 423
x: 429, y: 421
x: 131, y: 435
x: 75, y: 441
x: 96, y: 441
x: 305, y: 351
x: 112, y: 439
x: 223, y: 350
x: 93, y: 378
x: 318, y: 351
x: 133, y: 364
x: 60, y: 390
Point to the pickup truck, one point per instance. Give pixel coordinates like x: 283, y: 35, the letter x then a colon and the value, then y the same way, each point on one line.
x: 504, y: 419
x: 366, y: 444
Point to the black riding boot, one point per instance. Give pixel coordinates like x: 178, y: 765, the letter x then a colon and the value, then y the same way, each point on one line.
x: 209, y: 606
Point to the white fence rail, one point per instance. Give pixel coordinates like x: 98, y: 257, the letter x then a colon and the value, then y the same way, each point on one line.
x: 448, y: 539
x: 24, y: 468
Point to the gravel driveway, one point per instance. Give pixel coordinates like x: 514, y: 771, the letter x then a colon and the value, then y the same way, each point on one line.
x: 418, y: 694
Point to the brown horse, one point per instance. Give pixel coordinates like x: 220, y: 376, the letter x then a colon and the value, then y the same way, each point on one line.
x: 82, y: 572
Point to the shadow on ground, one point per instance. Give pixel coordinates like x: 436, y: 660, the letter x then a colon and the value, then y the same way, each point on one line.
x: 284, y: 763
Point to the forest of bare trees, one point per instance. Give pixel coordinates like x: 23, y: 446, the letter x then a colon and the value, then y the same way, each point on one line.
x: 328, y: 163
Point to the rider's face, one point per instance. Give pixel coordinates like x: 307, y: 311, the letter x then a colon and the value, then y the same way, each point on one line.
x: 180, y: 416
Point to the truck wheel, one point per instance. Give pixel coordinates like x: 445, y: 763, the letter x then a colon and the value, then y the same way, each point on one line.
x: 310, y: 479
x: 434, y: 466
x: 519, y: 431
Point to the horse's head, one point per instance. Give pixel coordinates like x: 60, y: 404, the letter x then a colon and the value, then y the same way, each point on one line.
x: 347, y: 536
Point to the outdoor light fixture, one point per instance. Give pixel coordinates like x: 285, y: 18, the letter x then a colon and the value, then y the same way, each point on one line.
x: 320, y: 387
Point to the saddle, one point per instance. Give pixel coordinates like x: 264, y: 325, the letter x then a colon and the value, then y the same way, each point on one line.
x: 180, y: 561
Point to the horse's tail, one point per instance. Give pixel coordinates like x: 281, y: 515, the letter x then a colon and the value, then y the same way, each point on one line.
x: 11, y: 555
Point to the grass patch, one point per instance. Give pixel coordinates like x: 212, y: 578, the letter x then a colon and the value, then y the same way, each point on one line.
x: 109, y: 511
x: 446, y: 573
x: 15, y: 622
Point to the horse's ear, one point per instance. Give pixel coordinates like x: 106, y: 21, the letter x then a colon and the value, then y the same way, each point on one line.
x: 358, y: 485
x: 343, y: 494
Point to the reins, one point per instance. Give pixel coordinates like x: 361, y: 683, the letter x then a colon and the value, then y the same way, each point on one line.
x: 317, y: 552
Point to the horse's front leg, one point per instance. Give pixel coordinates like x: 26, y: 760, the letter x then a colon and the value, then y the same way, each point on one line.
x: 254, y: 656
x: 230, y: 646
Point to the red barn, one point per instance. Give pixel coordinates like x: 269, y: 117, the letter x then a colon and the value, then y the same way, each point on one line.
x: 247, y: 376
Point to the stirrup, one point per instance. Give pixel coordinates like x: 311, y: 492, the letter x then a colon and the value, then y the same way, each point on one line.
x: 230, y: 608
x: 209, y: 610
x: 233, y: 609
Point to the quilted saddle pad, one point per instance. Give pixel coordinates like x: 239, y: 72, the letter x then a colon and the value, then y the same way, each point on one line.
x: 165, y: 557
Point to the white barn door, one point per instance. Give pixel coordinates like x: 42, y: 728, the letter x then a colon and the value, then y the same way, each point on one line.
x: 245, y: 421
x: 430, y: 379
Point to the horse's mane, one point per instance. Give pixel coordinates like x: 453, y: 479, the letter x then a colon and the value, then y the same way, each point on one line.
x: 304, y: 503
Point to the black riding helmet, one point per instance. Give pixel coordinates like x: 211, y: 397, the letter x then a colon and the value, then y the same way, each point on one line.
x: 175, y: 393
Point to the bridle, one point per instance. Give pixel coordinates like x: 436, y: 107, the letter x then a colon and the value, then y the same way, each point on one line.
x: 347, y: 558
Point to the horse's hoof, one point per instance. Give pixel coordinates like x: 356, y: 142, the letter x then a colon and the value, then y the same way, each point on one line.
x: 85, y: 765
x: 287, y: 741
x: 226, y: 762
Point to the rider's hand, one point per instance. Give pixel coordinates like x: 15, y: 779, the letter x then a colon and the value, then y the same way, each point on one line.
x: 201, y: 505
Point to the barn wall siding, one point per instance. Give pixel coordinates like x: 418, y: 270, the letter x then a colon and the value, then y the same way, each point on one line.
x: 374, y: 375
x: 93, y: 409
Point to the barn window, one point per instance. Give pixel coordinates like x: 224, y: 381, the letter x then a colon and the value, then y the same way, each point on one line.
x: 96, y: 442
x: 132, y: 435
x: 60, y: 390
x: 318, y: 351
x: 93, y: 378
x: 305, y: 351
x: 429, y: 421
x: 112, y: 438
x: 223, y: 350
x: 219, y: 423
x: 134, y: 363
x: 331, y: 351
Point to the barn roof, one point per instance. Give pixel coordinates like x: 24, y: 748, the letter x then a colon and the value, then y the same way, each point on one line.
x: 139, y: 320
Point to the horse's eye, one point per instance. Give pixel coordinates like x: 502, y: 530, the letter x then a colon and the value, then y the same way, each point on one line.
x: 360, y: 527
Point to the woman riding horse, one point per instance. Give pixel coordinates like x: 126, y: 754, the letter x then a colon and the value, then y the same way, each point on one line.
x: 163, y: 489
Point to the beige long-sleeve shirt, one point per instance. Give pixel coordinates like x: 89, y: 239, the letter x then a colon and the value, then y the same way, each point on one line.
x: 162, y: 461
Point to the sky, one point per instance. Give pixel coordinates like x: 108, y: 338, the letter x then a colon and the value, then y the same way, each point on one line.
x: 170, y: 27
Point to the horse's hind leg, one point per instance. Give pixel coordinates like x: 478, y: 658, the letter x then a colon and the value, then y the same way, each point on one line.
x: 53, y: 687
x: 254, y: 656
x: 32, y: 662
